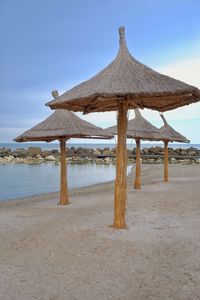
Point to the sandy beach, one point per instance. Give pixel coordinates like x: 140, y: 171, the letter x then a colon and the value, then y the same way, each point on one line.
x: 49, y: 252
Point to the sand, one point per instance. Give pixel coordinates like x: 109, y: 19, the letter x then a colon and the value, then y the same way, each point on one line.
x: 53, y: 252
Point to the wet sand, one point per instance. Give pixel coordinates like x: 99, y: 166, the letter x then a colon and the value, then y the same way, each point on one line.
x: 53, y: 252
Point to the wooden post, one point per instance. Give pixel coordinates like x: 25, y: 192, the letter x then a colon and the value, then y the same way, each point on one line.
x: 138, y: 166
x: 121, y: 168
x: 166, y: 161
x: 63, y: 174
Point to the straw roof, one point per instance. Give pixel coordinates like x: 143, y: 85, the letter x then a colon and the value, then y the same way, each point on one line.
x: 62, y: 124
x: 130, y: 81
x: 139, y: 128
x: 170, y: 134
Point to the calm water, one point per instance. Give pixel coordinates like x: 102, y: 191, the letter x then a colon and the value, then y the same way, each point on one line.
x: 20, y: 180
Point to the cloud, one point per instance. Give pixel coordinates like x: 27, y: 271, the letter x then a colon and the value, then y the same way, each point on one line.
x: 187, y: 70
x: 9, y: 133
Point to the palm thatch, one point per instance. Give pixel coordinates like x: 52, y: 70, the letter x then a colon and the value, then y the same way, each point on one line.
x: 130, y: 81
x: 139, y: 128
x: 170, y: 134
x: 62, y: 124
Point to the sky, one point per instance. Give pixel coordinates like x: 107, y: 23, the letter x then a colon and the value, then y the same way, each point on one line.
x: 56, y: 44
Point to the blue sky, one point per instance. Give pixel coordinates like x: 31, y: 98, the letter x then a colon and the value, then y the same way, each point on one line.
x: 56, y: 44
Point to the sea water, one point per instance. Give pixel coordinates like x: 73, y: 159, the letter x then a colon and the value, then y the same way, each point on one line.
x: 20, y: 180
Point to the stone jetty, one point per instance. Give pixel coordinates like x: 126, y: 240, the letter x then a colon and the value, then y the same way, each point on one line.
x: 35, y: 155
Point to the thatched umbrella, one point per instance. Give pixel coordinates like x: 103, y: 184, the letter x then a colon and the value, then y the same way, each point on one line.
x: 62, y: 125
x: 170, y: 135
x: 139, y: 129
x: 122, y: 85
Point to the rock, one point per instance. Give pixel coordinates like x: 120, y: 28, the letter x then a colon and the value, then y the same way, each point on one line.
x: 20, y: 152
x: 185, y: 161
x: 107, y: 152
x: 191, y: 153
x: 55, y: 152
x: 68, y: 159
x: 172, y: 160
x: 113, y: 150
x: 197, y: 161
x: 39, y: 157
x: 71, y: 151
x: 131, y: 160
x: 183, y: 152
x: 159, y: 161
x: 178, y: 151
x: 172, y: 152
x: 96, y: 152
x: 33, y: 151
x: 156, y: 150
x: 144, y: 150
x: 149, y: 161
x: 108, y: 160
x: 19, y: 160
x: 99, y: 161
x: 79, y: 160
x: 45, y: 153
x: 50, y: 158
x: 80, y: 151
x: 5, y: 151
x: 8, y: 158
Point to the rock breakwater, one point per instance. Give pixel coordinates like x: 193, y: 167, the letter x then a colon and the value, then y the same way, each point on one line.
x: 35, y: 155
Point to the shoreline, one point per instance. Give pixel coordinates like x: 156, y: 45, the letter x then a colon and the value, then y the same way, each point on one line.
x: 56, y: 193
x: 52, y: 195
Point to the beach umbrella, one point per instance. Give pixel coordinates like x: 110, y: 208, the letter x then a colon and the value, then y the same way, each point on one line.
x: 62, y: 125
x: 170, y: 135
x: 124, y: 84
x: 139, y: 129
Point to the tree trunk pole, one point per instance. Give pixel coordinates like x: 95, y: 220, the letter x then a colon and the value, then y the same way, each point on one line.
x: 138, y: 166
x: 121, y: 168
x: 63, y: 174
x: 166, y: 158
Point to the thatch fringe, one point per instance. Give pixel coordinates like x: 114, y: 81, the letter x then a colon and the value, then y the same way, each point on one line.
x: 63, y: 124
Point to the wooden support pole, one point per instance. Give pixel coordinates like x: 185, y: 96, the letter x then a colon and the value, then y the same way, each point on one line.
x: 121, y: 168
x: 166, y: 161
x: 64, y: 200
x: 138, y: 166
